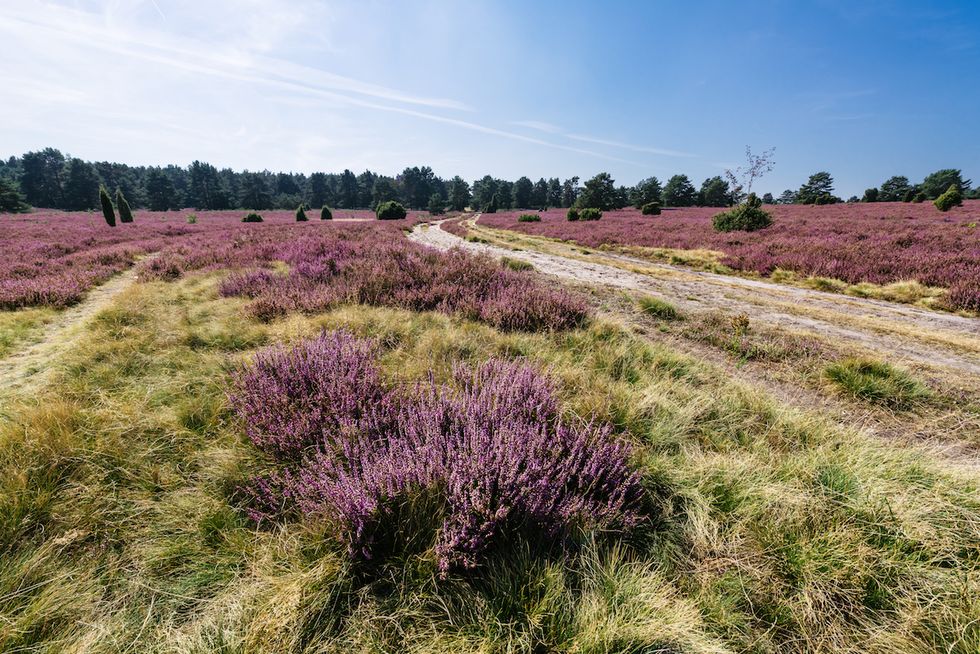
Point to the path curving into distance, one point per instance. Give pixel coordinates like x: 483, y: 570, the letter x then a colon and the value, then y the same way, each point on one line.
x: 905, y: 333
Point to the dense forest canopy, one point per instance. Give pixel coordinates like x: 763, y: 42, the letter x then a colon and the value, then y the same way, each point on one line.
x: 50, y: 179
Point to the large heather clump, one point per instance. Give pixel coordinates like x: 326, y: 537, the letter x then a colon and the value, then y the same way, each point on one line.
x: 454, y: 469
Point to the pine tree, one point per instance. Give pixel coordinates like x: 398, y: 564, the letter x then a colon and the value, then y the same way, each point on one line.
x: 107, y: 210
x: 125, y: 213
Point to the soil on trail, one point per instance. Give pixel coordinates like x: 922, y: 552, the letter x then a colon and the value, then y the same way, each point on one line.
x: 902, y: 333
x: 26, y: 370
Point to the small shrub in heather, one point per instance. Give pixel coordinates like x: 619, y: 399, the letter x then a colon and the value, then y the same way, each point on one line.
x: 748, y: 217
x: 325, y: 213
x: 589, y: 213
x: 301, y: 214
x: 572, y: 214
x: 651, y: 209
x: 529, y: 218
x: 192, y: 219
x: 458, y: 470
x: 252, y: 217
x: 951, y: 198
x: 920, y: 198
x: 107, y: 210
x: 391, y: 210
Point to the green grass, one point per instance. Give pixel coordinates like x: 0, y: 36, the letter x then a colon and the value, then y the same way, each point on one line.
x: 657, y: 308
x: 876, y: 382
x: 22, y: 327
x: 774, y: 530
x: 516, y: 264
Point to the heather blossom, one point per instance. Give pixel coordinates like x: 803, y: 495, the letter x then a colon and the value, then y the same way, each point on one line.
x: 490, y: 453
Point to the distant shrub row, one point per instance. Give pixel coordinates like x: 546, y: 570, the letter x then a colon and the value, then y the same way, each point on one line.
x: 589, y: 213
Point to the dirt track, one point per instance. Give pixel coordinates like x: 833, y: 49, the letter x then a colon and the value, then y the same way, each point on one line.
x: 24, y: 371
x: 905, y: 333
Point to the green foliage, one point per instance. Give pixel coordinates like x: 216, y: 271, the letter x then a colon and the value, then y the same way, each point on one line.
x: 768, y: 199
x: 492, y: 205
x: 646, y: 191
x: 301, y: 214
x: 589, y: 213
x: 657, y: 308
x: 11, y: 200
x: 826, y: 198
x: 437, y: 206
x: 679, y: 192
x: 951, y: 198
x: 715, y: 192
x: 599, y: 192
x: 125, y: 213
x: 252, y: 217
x: 870, y: 195
x: 819, y: 185
x: 107, y: 211
x: 81, y: 190
x: 192, y: 219
x: 325, y: 213
x: 909, y: 195
x: 894, y: 189
x: 748, y: 216
x: 529, y: 218
x: 651, y: 209
x: 391, y: 210
x: 572, y: 214
x: 876, y: 382
x: 939, y: 182
x: 161, y: 194
x: 920, y: 197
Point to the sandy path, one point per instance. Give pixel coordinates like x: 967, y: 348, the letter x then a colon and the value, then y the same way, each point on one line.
x: 904, y: 333
x: 25, y: 371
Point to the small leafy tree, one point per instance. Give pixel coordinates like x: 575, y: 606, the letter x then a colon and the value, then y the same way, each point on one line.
x: 748, y: 216
x: 651, y: 209
x: 951, y: 198
x: 870, y: 195
x: 325, y: 213
x: 125, y: 213
x: 768, y: 199
x: 107, y: 211
x: 741, y: 179
x: 391, y: 210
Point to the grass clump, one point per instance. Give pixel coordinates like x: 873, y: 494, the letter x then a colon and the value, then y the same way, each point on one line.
x: 516, y: 264
x: 658, y: 308
x: 252, y: 217
x: 529, y: 218
x: 876, y: 382
x: 192, y: 219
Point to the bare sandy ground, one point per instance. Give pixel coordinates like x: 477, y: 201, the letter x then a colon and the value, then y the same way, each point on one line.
x: 904, y: 333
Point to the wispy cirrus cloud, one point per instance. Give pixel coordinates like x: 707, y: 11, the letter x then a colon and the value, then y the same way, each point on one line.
x: 550, y: 128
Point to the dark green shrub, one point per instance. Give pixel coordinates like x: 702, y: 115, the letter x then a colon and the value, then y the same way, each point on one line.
x: 492, y: 207
x: 529, y: 218
x: 920, y: 197
x: 572, y: 214
x: 651, y: 209
x: 107, y: 211
x: 252, y: 217
x: 11, y: 199
x: 876, y: 382
x: 909, y: 195
x: 301, y: 214
x: 437, y: 206
x: 325, y: 213
x: 125, y: 213
x: 748, y: 216
x: 951, y: 198
x: 826, y: 198
x: 589, y: 213
x: 391, y: 210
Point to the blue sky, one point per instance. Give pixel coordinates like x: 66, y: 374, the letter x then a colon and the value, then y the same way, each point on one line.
x: 864, y: 90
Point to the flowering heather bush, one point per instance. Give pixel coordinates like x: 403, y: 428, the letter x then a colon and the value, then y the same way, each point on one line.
x: 878, y: 242
x: 458, y: 469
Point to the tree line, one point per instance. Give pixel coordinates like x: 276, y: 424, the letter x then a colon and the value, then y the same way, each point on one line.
x: 819, y: 189
x: 48, y: 178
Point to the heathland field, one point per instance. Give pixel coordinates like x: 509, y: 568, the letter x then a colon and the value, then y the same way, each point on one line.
x: 474, y: 433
